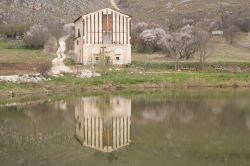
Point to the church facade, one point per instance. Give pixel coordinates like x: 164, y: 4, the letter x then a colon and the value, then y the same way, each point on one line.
x: 103, y: 37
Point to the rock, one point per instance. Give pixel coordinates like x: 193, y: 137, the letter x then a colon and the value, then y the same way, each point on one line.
x: 23, y: 78
x: 87, y: 74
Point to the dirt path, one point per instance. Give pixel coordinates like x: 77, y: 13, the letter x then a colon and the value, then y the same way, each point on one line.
x: 58, y: 66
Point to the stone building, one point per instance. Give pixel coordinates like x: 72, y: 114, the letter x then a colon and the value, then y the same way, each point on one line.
x: 103, y: 124
x: 103, y: 37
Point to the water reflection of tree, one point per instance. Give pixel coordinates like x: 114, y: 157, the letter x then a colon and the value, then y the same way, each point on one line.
x: 218, y: 108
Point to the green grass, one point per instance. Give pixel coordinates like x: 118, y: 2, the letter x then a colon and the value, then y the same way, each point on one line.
x: 11, y: 44
x: 191, y: 66
x: 219, y: 49
x: 12, y: 51
x: 24, y: 56
x: 15, y: 59
x: 146, y: 70
x: 126, y: 79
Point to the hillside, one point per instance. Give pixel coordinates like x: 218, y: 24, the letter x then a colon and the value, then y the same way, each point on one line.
x: 33, y: 11
x: 163, y: 11
x: 158, y: 11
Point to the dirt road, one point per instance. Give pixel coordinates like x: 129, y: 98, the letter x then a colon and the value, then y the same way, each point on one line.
x: 113, y: 3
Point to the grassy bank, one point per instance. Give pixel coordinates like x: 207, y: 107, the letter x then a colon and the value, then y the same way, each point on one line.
x: 16, y: 59
x: 128, y: 80
x: 146, y: 71
x: 192, y: 66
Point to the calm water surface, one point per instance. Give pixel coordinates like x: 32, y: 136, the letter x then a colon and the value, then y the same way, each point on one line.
x: 170, y: 127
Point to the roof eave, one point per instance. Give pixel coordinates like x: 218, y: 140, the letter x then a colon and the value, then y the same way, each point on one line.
x: 77, y: 19
x: 101, y: 10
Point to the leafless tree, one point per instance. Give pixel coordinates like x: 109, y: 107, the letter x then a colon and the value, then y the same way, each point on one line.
x: 54, y: 29
x: 36, y: 36
x: 202, y: 43
x: 230, y: 33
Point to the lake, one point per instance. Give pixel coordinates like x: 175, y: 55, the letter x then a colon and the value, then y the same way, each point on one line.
x: 191, y: 127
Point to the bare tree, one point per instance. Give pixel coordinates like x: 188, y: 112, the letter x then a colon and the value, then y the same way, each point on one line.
x: 202, y: 43
x: 36, y: 36
x: 55, y: 29
x: 171, y: 45
x: 230, y: 33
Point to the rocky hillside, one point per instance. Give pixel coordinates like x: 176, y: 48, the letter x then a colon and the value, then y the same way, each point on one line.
x: 36, y: 10
x: 162, y: 11
x: 158, y: 11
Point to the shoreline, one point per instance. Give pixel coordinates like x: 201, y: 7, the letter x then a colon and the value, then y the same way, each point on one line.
x: 53, y: 91
x: 126, y: 80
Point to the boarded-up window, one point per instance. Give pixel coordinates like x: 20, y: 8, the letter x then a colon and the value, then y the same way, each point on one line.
x: 107, y: 25
x: 107, y: 37
x: 107, y: 22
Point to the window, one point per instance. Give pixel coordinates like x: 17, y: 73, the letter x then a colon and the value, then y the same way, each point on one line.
x: 107, y: 37
x: 77, y: 42
x: 107, y: 22
x: 83, y: 27
x: 79, y: 33
x: 107, y: 25
x: 79, y: 126
x: 117, y: 58
x: 97, y: 58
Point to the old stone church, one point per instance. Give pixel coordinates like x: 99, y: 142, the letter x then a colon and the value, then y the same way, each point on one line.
x: 103, y: 37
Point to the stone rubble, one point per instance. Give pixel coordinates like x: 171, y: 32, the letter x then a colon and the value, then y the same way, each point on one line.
x: 87, y: 74
x: 35, y: 78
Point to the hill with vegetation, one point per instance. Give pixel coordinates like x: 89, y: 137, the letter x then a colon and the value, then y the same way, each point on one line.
x: 157, y: 11
x: 35, y: 11
x: 163, y: 11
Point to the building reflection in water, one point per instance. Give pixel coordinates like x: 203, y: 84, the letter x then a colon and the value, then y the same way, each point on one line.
x: 103, y: 123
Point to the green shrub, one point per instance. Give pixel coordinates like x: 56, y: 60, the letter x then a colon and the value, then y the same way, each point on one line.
x: 193, y: 66
x: 36, y: 36
x: 13, y: 30
x: 69, y: 62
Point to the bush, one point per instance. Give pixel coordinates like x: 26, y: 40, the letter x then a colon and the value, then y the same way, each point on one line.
x: 239, y: 18
x: 44, y: 68
x: 230, y: 33
x: 193, y: 66
x: 36, y: 36
x: 54, y: 29
x: 136, y: 30
x: 15, y: 44
x: 69, y: 62
x: 13, y: 30
x: 150, y: 39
